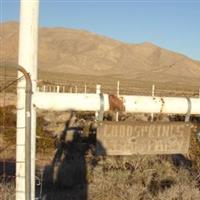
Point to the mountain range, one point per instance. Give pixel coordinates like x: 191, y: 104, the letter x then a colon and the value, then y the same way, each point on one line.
x: 80, y: 52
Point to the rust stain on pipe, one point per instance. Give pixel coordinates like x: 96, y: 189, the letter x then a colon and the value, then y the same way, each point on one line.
x: 162, y: 105
x: 116, y: 104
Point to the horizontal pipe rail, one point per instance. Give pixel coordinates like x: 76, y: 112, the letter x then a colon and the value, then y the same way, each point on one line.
x: 167, y: 105
x: 132, y: 104
x: 70, y: 101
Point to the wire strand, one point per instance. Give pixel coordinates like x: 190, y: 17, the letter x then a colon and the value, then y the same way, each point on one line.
x: 8, y: 85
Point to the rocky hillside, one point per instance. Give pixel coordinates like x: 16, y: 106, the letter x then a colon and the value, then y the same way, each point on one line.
x: 81, y: 52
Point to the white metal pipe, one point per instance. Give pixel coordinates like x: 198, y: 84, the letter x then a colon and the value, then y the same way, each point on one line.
x: 69, y: 101
x: 28, y: 48
x: 135, y: 104
x: 170, y: 105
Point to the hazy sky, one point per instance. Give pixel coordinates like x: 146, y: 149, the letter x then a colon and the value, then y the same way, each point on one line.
x: 172, y: 24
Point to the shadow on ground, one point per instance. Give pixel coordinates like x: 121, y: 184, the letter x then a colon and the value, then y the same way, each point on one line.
x: 7, y: 170
x: 66, y: 177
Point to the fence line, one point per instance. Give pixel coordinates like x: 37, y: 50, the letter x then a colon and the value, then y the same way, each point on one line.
x: 85, y: 87
x: 7, y: 152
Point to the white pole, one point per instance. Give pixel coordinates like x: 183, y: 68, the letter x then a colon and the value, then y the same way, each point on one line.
x: 98, y: 91
x: 153, y: 90
x: 199, y: 92
x: 44, y: 88
x: 58, y: 89
x: 85, y: 88
x: 70, y: 89
x: 117, y: 113
x: 118, y: 88
x: 153, y: 94
x: 28, y: 48
x: 76, y: 89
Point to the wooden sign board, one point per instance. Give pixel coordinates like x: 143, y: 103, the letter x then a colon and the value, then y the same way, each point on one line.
x: 128, y: 138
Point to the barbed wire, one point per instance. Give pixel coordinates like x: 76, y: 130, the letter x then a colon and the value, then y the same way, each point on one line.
x: 11, y: 83
x: 111, y: 88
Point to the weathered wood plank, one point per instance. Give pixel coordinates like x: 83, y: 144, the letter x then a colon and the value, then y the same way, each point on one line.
x: 125, y: 138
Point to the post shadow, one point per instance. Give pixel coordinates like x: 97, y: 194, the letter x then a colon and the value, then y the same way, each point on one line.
x: 66, y: 177
x: 7, y: 170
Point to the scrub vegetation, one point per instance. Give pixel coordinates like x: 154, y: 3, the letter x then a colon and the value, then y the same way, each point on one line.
x: 71, y: 170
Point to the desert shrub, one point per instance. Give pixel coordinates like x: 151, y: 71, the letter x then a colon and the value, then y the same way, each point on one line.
x: 8, y: 124
x: 7, y: 191
x: 141, y: 178
x: 44, y: 139
x: 8, y: 129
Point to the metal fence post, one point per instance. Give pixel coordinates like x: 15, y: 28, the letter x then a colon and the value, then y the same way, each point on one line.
x: 153, y: 94
x: 117, y: 113
x: 98, y: 91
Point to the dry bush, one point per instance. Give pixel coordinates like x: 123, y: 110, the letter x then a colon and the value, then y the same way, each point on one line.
x: 116, y: 178
x: 8, y: 124
x: 44, y: 140
x: 141, y: 178
x: 7, y: 191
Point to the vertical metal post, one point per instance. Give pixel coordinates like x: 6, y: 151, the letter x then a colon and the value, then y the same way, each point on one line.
x: 28, y: 133
x: 98, y: 91
x: 58, y: 89
x: 76, y: 89
x: 153, y: 91
x: 44, y: 88
x: 85, y: 88
x: 199, y: 92
x: 70, y: 90
x: 118, y: 88
x: 117, y: 113
x: 153, y: 94
x: 28, y: 48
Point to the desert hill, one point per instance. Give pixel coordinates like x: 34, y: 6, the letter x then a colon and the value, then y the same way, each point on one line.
x: 84, y: 53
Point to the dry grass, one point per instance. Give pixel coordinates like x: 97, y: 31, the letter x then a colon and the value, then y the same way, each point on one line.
x: 79, y: 175
x: 128, y: 178
x: 7, y: 191
x: 142, y: 178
